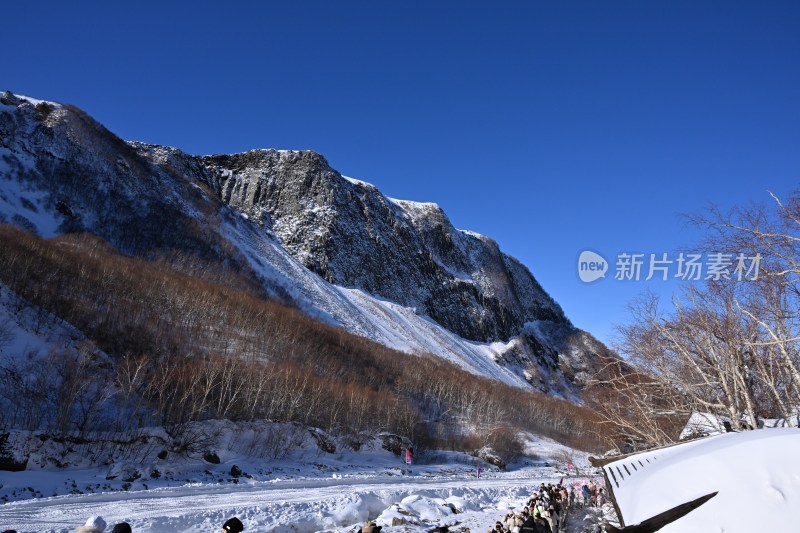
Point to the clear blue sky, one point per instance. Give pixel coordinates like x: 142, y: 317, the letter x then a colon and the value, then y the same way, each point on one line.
x: 550, y: 126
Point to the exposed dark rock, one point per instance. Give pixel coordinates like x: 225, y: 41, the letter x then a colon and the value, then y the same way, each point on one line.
x: 394, y: 443
x: 10, y: 465
x: 324, y: 442
x: 490, y: 457
x: 8, y: 460
x: 211, y: 457
x: 407, y: 252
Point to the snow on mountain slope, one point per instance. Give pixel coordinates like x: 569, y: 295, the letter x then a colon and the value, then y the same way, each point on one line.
x: 386, y: 322
x: 29, y: 333
x: 406, y: 252
x: 24, y: 207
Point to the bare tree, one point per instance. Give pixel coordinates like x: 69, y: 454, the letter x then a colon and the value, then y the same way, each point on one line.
x: 730, y: 347
x: 6, y: 335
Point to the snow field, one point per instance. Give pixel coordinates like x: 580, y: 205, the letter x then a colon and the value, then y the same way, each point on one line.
x: 332, y: 504
x: 305, y: 491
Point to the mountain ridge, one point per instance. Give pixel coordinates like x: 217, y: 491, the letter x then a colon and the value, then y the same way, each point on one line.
x: 396, y: 271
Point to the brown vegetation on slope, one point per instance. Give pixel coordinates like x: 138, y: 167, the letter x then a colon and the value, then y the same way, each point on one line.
x: 184, y: 349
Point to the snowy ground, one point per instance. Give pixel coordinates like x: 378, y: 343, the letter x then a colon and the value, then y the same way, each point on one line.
x: 321, y: 492
x: 291, y: 505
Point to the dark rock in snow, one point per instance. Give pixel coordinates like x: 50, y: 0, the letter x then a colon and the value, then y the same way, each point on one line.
x: 11, y: 460
x: 394, y: 443
x: 324, y: 442
x: 211, y: 457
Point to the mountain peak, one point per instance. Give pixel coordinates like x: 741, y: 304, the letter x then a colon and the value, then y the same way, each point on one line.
x: 9, y: 98
x: 396, y: 271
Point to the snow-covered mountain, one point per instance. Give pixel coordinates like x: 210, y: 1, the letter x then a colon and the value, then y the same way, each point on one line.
x: 394, y: 271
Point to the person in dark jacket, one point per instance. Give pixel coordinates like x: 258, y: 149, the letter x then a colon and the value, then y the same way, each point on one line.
x: 528, y: 523
x: 233, y: 525
x: 541, y: 525
x: 587, y: 495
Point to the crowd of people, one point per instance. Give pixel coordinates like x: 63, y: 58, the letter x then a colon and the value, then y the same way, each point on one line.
x: 546, y: 510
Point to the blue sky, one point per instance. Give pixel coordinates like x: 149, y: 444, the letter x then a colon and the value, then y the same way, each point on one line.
x: 552, y: 127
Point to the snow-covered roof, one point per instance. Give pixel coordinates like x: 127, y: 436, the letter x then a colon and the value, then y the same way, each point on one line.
x: 709, y: 424
x: 756, y: 475
x: 703, y: 424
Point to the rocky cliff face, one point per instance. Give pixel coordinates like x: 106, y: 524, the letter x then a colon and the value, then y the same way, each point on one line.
x: 396, y: 271
x: 407, y: 252
x: 84, y: 178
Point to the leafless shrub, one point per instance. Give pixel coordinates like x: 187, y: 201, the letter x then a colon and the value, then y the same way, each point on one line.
x: 280, y: 441
x: 506, y: 443
x: 26, y: 393
x: 188, y: 438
